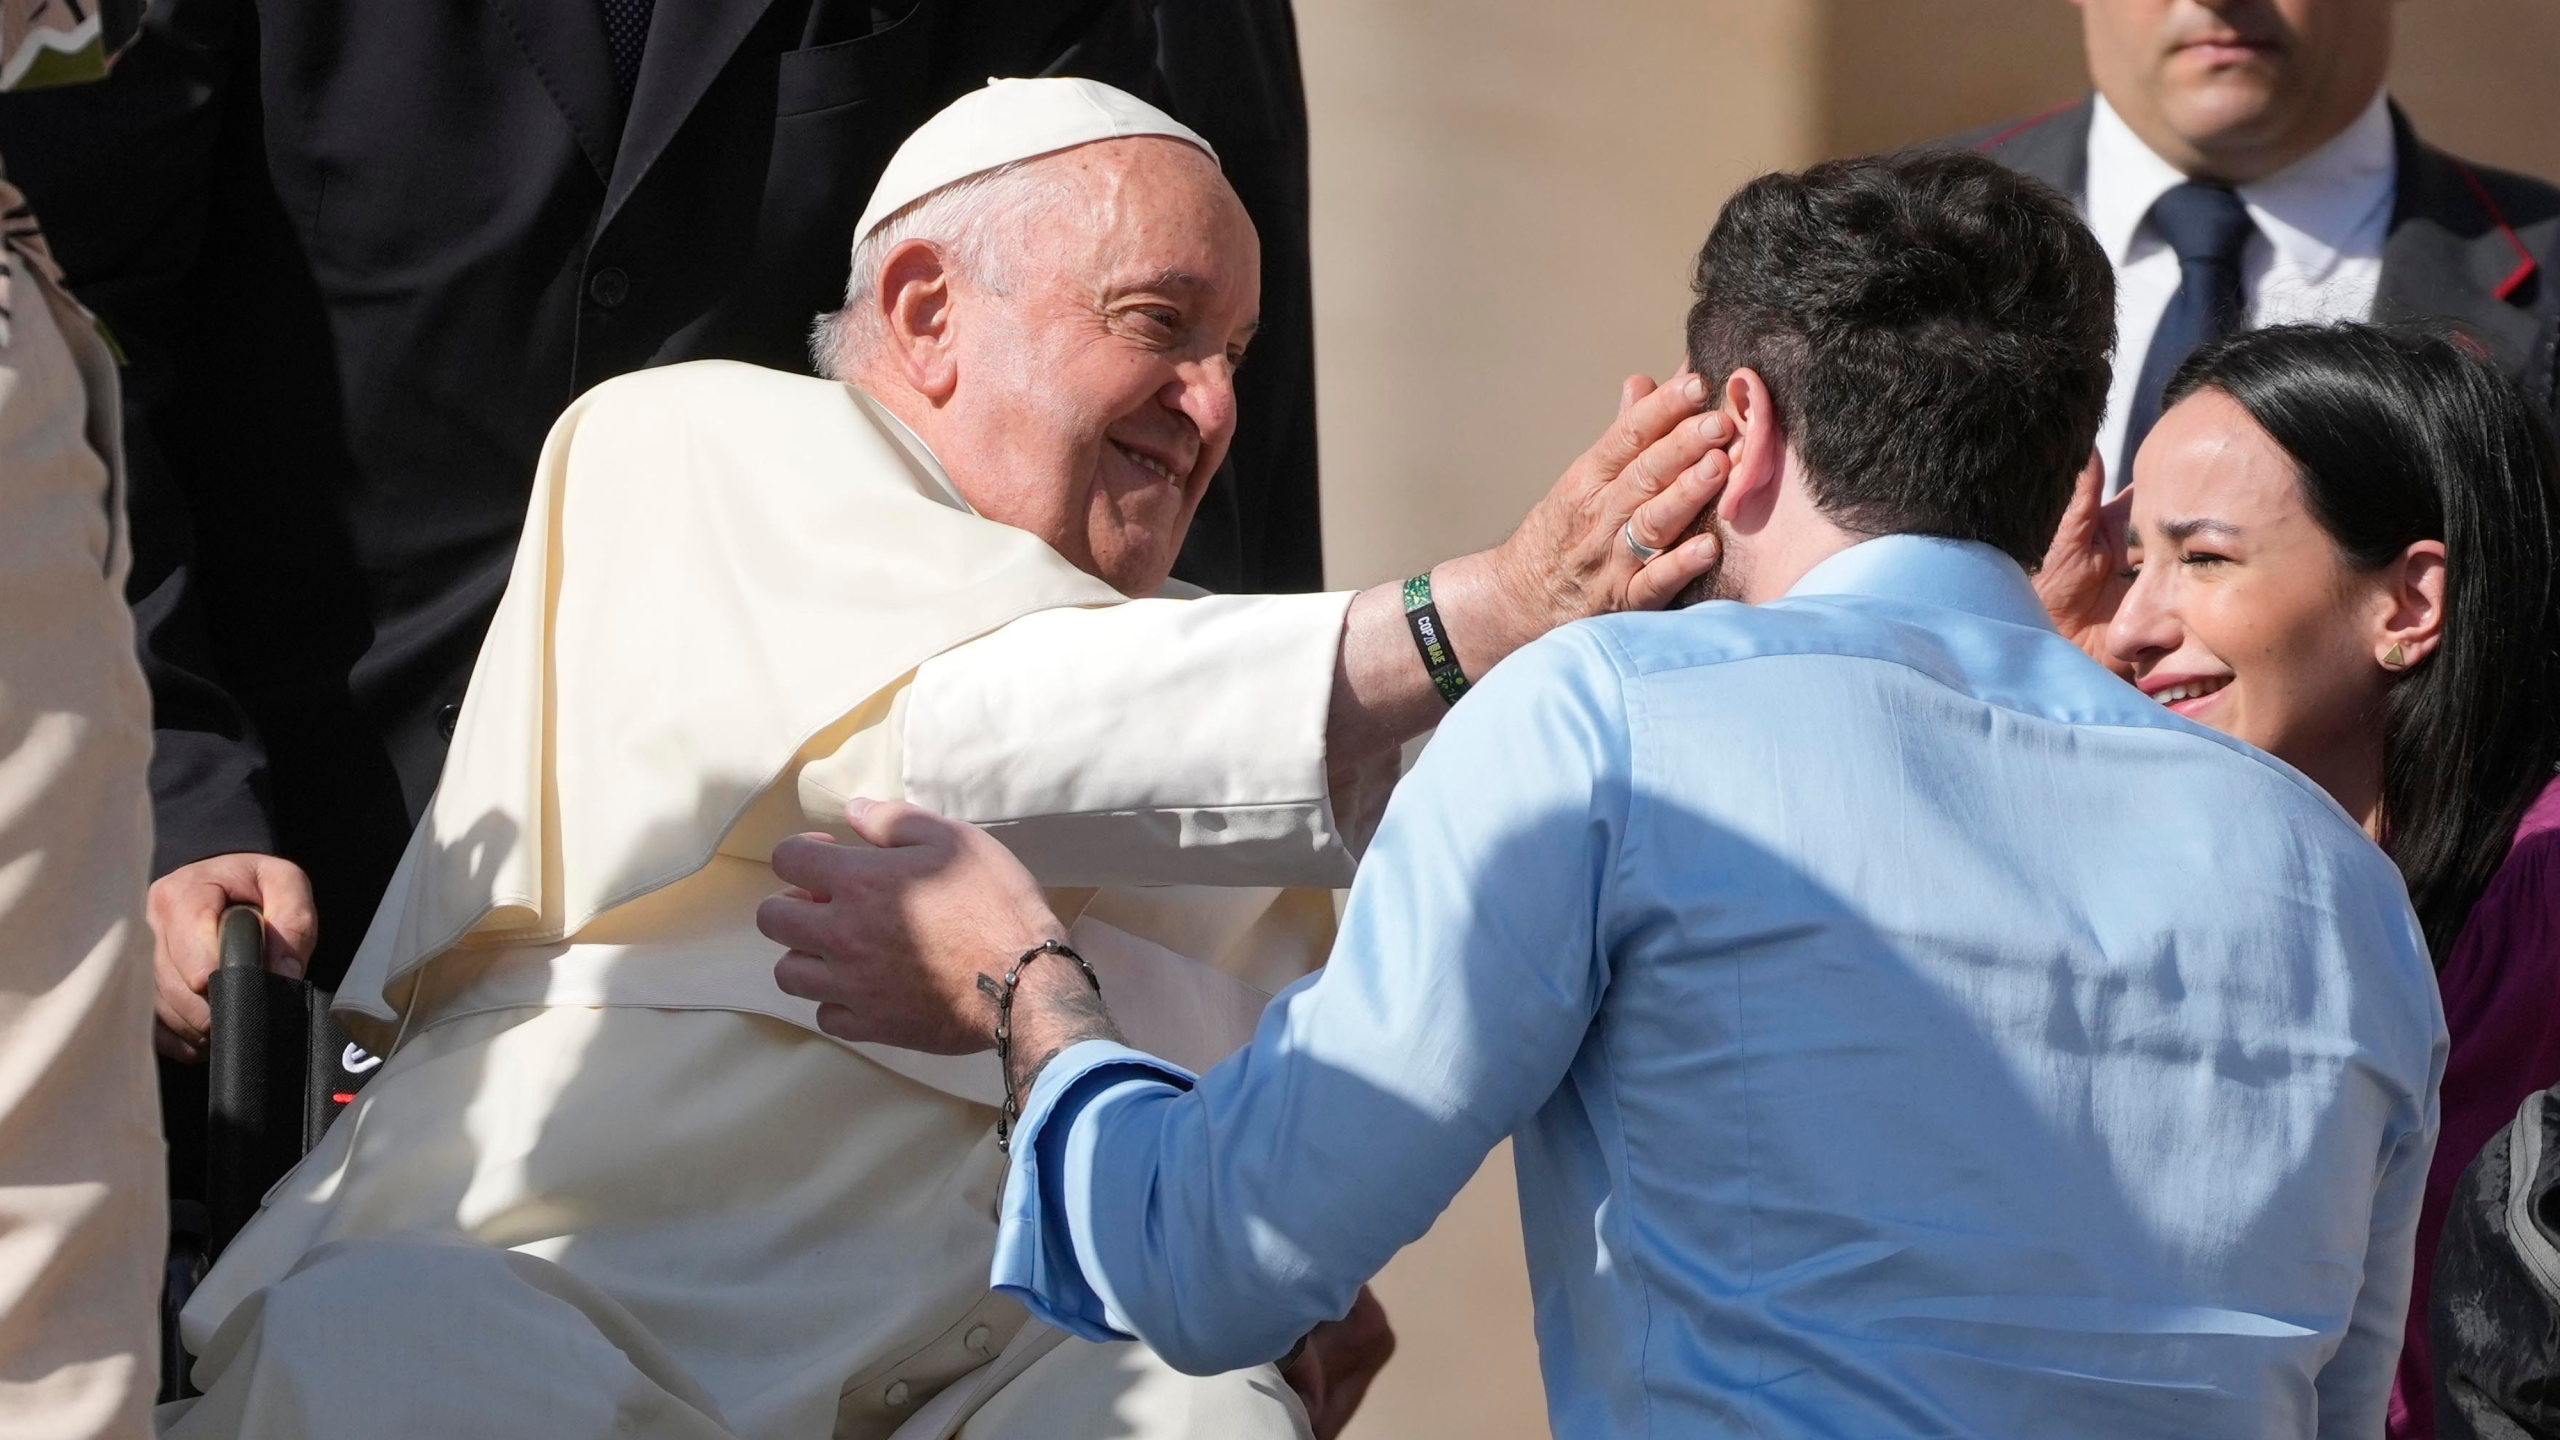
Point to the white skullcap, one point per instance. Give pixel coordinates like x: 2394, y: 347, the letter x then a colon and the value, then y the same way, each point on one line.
x: 1011, y: 120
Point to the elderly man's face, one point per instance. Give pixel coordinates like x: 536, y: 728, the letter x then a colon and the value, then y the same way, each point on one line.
x: 1097, y: 395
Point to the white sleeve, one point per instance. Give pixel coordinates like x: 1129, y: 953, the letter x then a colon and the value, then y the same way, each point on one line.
x: 1156, y: 742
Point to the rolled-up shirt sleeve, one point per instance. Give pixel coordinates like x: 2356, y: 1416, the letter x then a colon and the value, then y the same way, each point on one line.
x: 1220, y: 1219
x: 1157, y: 742
x: 1036, y: 1252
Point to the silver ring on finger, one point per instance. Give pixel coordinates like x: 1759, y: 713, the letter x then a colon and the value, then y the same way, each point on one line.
x: 1644, y: 553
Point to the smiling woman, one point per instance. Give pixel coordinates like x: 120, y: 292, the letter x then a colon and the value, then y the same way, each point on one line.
x: 2347, y: 540
x: 2346, y: 546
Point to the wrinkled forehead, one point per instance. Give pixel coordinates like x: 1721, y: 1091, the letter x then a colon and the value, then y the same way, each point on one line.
x: 1131, y: 209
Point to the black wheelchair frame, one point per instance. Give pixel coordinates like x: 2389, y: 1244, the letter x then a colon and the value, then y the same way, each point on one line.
x: 278, y: 1070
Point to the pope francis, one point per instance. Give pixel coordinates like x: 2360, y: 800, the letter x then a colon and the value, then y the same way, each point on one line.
x: 610, y: 1179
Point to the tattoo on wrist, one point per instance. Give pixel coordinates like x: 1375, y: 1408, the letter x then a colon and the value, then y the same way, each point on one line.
x: 1050, y: 1019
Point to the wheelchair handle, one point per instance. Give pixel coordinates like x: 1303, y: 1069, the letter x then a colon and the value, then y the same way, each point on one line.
x: 241, y: 1082
x: 243, y: 938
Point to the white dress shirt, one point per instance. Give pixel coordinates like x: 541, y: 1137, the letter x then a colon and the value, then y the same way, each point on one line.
x: 2317, y: 254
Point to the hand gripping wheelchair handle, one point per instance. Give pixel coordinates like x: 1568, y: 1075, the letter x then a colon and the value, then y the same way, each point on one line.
x: 254, y: 1076
x: 276, y: 1072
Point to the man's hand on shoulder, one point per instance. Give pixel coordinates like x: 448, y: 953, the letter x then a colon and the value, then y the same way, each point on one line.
x: 905, y: 940
x: 185, y: 910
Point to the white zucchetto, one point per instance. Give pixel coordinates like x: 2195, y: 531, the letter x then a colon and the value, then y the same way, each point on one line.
x: 1009, y: 121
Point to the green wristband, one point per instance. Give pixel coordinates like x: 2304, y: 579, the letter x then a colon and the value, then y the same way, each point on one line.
x: 1431, y: 637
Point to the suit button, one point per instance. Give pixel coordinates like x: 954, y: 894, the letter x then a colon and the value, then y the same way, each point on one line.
x: 897, y: 1396
x: 977, y: 1339
x: 446, y: 719
x: 609, y: 287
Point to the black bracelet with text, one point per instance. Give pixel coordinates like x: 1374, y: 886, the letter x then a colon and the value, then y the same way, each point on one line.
x: 1431, y: 637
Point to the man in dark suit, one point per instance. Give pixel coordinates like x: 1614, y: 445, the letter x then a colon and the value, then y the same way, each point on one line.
x: 2242, y: 166
x: 379, y: 248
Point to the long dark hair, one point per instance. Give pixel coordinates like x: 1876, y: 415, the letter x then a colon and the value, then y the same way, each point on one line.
x: 2402, y: 436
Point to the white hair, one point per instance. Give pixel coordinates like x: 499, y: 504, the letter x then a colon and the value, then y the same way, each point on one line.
x: 976, y: 222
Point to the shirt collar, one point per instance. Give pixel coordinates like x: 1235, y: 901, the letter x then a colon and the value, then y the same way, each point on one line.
x: 1962, y: 575
x: 917, y: 451
x: 2125, y: 178
x: 2313, y: 209
x: 2310, y: 211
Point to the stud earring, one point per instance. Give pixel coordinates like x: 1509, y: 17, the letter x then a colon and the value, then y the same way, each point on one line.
x: 2395, y: 658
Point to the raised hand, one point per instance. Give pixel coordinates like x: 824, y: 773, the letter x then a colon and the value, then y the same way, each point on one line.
x: 1651, y: 474
x: 2086, y: 570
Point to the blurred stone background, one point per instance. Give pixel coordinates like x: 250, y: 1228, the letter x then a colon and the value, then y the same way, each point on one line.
x: 1507, y: 196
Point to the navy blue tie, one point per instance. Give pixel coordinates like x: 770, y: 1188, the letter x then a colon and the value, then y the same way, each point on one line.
x: 2208, y: 227
x: 626, y: 29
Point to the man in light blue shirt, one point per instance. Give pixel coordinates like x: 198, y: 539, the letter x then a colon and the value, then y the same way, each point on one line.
x: 1908, y: 1028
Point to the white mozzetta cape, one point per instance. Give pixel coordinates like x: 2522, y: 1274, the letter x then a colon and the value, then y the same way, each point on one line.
x: 721, y: 564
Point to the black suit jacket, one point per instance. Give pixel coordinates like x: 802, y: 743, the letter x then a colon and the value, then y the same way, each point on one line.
x: 360, y: 255
x: 2469, y: 246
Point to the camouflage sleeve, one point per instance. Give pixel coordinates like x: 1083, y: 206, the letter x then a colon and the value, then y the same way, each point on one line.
x: 44, y: 43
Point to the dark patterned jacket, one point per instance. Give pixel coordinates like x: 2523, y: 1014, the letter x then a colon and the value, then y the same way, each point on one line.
x: 2494, y: 1316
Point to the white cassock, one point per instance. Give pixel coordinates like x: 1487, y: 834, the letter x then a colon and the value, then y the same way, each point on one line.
x: 610, y: 1180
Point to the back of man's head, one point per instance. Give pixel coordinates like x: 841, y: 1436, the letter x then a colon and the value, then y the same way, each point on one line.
x: 1934, y: 330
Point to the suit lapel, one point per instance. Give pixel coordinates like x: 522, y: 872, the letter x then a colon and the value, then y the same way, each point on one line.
x: 564, y: 41
x: 2449, y: 258
x: 2052, y: 147
x: 690, y: 41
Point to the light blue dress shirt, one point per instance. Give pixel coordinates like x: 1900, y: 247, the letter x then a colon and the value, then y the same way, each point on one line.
x: 1908, y: 1028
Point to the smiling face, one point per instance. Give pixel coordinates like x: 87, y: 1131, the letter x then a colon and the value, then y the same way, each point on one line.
x: 1094, y: 394
x: 2244, y: 615
x: 2235, y: 90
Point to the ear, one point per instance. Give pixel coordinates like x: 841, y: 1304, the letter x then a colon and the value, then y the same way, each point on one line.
x: 2415, y: 621
x: 1759, y: 453
x: 916, y: 319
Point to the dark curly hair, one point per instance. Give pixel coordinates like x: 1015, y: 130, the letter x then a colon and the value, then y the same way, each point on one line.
x: 1934, y: 329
